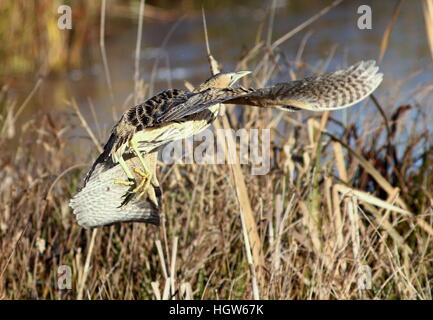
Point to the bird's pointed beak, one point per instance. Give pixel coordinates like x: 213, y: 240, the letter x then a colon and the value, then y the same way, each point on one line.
x: 238, y: 75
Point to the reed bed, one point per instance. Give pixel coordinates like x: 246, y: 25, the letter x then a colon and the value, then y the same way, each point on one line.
x: 343, y: 213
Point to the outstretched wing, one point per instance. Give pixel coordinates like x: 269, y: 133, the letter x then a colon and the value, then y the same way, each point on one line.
x: 336, y: 90
x: 332, y: 91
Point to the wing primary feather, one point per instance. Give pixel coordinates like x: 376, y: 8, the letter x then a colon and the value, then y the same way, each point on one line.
x: 331, y: 91
x: 102, y: 157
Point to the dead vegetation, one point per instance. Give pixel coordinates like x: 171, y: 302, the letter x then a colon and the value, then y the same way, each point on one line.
x: 338, y: 205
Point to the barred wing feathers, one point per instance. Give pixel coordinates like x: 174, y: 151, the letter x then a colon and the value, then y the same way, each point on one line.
x: 332, y: 91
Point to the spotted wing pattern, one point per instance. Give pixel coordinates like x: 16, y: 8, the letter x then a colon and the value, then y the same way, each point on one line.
x: 336, y: 90
x: 330, y: 91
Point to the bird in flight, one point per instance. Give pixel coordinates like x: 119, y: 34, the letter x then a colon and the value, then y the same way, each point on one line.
x: 178, y: 114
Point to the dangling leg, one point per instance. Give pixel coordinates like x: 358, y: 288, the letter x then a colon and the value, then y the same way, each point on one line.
x: 146, y: 174
x: 132, y: 183
x: 146, y: 185
x: 131, y: 179
x: 149, y: 179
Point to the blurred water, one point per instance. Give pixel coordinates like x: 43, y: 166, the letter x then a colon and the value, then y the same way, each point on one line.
x: 234, y: 27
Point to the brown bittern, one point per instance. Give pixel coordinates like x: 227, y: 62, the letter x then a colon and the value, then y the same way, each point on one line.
x: 177, y: 114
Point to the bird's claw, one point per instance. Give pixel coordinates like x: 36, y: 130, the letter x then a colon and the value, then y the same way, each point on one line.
x: 142, y: 188
x: 128, y: 196
x: 130, y: 193
x: 145, y: 186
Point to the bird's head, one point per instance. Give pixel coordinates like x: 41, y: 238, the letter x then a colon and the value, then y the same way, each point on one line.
x: 223, y: 80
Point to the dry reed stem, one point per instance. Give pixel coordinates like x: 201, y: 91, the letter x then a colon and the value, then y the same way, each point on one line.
x: 28, y: 98
x: 12, y: 252
x: 104, y: 56
x: 371, y: 199
x: 85, y: 125
x: 428, y: 17
x: 212, y: 260
x: 161, y: 258
x: 95, y: 120
x: 173, y: 265
x: 370, y: 169
x: 137, y: 53
x: 388, y: 30
x: 384, y: 184
x: 245, y: 233
x: 339, y: 157
x: 82, y: 279
x: 305, y: 24
x: 247, y: 216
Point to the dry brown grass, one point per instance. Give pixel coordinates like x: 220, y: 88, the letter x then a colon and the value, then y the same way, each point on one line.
x: 331, y: 204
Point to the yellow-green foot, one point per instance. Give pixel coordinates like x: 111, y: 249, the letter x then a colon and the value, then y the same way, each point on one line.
x: 145, y: 187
